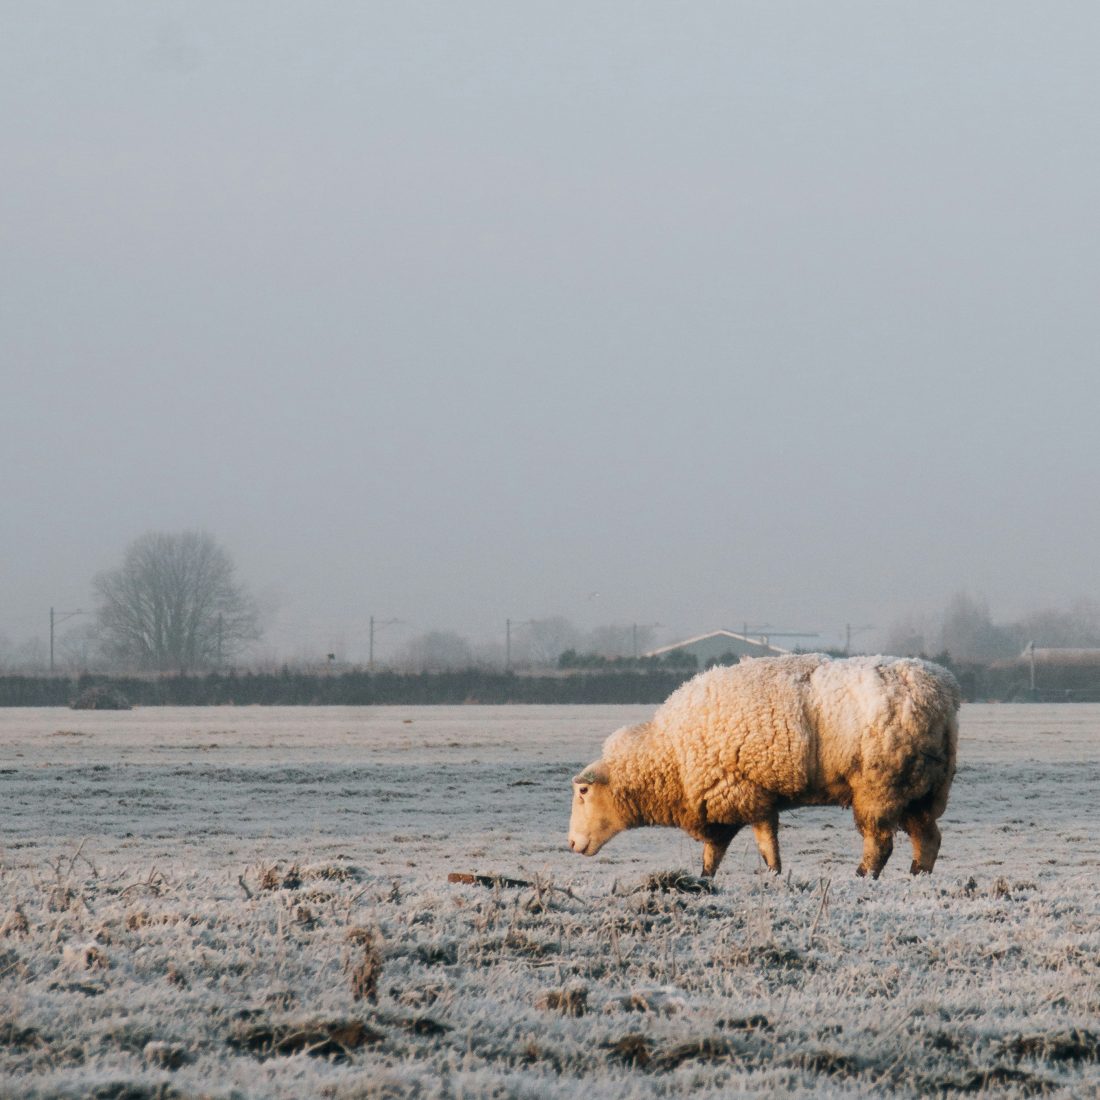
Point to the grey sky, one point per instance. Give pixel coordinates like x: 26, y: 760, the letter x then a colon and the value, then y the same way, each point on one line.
x: 456, y: 312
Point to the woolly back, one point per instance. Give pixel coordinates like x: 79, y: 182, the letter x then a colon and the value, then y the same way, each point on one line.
x: 757, y: 692
x: 802, y: 700
x: 748, y: 719
x: 906, y: 693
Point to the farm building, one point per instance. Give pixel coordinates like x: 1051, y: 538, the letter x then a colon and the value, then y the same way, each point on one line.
x: 1047, y: 673
x: 719, y: 644
x: 1049, y: 657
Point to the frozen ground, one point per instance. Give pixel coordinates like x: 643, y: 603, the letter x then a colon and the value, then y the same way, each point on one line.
x: 190, y: 899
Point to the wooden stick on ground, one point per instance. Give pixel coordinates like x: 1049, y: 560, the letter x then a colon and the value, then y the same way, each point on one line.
x: 488, y: 880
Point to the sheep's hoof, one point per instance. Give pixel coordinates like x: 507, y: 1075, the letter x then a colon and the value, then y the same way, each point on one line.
x: 917, y: 869
x: 861, y: 871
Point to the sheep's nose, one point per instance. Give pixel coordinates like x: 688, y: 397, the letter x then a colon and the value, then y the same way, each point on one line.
x: 572, y: 845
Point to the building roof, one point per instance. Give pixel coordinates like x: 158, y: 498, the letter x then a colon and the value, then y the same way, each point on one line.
x: 1060, y: 656
x: 759, y: 643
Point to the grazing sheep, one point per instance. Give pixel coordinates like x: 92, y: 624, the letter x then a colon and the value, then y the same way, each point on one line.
x: 734, y: 746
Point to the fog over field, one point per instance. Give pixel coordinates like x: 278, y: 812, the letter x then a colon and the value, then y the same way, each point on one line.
x: 191, y: 900
x: 429, y: 336
x: 631, y: 313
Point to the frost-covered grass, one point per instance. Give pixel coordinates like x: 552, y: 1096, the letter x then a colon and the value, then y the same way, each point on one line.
x: 191, y: 902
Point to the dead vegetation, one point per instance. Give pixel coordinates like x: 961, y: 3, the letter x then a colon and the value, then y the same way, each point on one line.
x: 568, y: 1002
x: 423, y: 966
x: 681, y: 882
x: 280, y: 968
x: 331, y: 1039
x: 365, y: 966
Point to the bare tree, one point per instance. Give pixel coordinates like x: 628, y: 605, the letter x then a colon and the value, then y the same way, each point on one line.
x: 906, y: 638
x: 621, y: 639
x: 545, y: 640
x: 175, y: 603
x: 970, y: 634
x: 28, y: 656
x: 1078, y: 627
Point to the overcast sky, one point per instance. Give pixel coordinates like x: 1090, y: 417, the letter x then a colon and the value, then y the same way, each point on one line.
x: 458, y: 312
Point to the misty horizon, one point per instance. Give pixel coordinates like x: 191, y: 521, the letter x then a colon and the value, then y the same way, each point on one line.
x: 695, y: 316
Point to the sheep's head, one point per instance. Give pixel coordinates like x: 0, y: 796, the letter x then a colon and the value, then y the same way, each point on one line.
x: 595, y: 818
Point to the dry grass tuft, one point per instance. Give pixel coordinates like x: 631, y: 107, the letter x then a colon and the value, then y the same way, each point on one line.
x: 419, y: 996
x: 15, y: 924
x: 1074, y: 1045
x: 273, y: 878
x: 571, y: 1001
x: 333, y: 872
x: 655, y: 1002
x: 332, y: 1039
x: 166, y: 1055
x: 770, y: 957
x: 176, y: 977
x: 633, y: 1050
x: 84, y: 956
x: 270, y: 878
x: 61, y: 898
x: 716, y: 1049
x: 680, y: 882
x: 755, y: 1022
x: 366, y: 970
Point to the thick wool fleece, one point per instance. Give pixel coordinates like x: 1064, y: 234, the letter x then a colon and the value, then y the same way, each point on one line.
x: 736, y: 744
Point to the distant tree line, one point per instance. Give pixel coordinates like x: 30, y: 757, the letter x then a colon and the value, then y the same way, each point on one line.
x: 968, y: 631
x: 355, y: 688
x: 1005, y: 682
x: 676, y: 659
x: 174, y: 605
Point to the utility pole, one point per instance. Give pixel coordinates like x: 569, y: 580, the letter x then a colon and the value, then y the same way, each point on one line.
x: 849, y: 630
x: 758, y: 631
x: 56, y: 618
x: 370, y: 650
x: 764, y: 639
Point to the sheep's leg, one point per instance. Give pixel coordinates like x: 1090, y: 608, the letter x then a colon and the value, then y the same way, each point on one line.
x: 924, y: 834
x: 878, y: 843
x: 767, y: 840
x: 715, y: 843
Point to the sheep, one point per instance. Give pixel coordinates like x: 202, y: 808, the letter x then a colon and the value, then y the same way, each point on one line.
x: 736, y: 745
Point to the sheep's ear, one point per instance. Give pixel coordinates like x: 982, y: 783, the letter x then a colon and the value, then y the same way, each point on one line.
x: 594, y: 773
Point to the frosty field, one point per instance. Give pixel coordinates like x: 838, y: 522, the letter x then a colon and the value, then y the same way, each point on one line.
x: 191, y: 901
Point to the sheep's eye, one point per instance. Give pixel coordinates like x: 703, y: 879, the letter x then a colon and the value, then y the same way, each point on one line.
x: 582, y: 790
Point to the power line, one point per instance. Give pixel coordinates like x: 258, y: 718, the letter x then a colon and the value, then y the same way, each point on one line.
x: 57, y: 618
